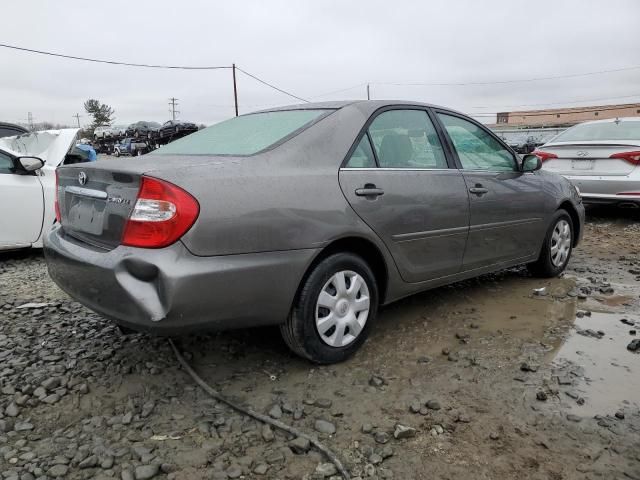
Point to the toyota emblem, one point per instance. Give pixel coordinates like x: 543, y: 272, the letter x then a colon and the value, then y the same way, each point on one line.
x: 582, y: 153
x: 82, y: 178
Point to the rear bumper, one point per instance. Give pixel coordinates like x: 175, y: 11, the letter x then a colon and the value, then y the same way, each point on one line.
x: 608, y: 190
x: 170, y: 291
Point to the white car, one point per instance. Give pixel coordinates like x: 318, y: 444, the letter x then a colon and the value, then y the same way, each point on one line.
x: 108, y: 132
x: 28, y: 183
x: 601, y: 158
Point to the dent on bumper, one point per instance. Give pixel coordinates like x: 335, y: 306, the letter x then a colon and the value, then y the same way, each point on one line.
x: 172, y: 291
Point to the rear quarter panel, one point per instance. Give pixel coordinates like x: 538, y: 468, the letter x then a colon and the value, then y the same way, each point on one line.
x: 283, y: 199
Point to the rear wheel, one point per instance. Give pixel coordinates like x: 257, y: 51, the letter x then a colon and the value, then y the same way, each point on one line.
x: 557, y: 247
x: 334, y: 310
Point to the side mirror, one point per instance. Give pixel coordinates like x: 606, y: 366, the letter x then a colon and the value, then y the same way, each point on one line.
x: 31, y: 164
x: 531, y: 163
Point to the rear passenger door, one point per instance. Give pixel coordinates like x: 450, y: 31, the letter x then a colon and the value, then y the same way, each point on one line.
x: 506, y: 205
x: 398, y: 180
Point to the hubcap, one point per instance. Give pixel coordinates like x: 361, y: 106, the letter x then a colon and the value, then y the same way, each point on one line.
x: 342, y: 308
x: 560, y: 243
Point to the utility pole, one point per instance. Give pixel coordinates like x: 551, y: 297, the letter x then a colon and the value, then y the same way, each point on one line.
x: 30, y: 121
x: 77, y: 117
x: 173, y: 103
x: 235, y: 89
x: 368, y: 94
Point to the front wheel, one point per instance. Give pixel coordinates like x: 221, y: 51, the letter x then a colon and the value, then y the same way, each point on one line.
x: 333, y: 311
x: 557, y: 247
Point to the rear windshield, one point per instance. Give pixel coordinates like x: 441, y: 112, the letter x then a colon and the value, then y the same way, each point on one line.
x: 619, y: 130
x: 244, y: 135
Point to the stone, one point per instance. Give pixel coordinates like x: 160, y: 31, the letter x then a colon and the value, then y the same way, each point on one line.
x: 234, y: 471
x: 323, y: 426
x: 619, y: 415
x: 323, y: 403
x: 261, y: 469
x: 89, y: 462
x: 375, y: 459
x: 267, y: 433
x: 12, y: 410
x: 275, y: 412
x: 326, y: 470
x: 541, y: 395
x: 403, y: 431
x: 146, y: 472
x: 299, y: 445
x: 381, y: 437
x: 634, y: 346
x: 376, y: 381
x: 433, y: 405
x: 58, y: 471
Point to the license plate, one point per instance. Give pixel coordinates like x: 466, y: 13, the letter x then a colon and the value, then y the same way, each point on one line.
x: 582, y: 164
x: 85, y: 214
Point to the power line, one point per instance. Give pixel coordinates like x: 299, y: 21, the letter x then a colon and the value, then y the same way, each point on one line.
x: 112, y: 62
x: 270, y: 85
x: 494, y: 82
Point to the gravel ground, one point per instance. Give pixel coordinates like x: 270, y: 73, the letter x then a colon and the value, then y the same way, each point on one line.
x: 485, y: 379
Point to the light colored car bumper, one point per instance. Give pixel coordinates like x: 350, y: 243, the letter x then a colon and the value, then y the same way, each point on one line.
x: 608, y: 189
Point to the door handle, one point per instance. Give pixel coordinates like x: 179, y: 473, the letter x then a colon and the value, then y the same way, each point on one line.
x: 478, y: 190
x: 369, y: 190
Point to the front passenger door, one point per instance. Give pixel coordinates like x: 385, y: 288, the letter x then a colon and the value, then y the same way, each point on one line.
x: 506, y: 205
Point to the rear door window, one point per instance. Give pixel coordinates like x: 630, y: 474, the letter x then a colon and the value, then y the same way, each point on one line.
x: 362, y: 156
x: 406, y: 139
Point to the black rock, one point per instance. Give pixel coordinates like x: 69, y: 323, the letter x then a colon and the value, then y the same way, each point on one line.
x: 634, y: 345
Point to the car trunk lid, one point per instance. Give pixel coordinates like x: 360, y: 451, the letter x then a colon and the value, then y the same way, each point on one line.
x: 588, y: 159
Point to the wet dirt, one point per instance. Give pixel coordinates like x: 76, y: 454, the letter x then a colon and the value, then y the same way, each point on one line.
x: 498, y: 382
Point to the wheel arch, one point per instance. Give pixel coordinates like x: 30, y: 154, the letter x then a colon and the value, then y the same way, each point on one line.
x: 362, y: 247
x: 575, y: 219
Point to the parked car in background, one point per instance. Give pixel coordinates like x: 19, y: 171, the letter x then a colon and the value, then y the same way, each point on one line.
x: 11, y: 129
x: 129, y: 146
x: 27, y: 184
x: 103, y: 132
x: 522, y: 144
x: 176, y: 127
x: 308, y: 217
x: 142, y: 129
x: 601, y: 158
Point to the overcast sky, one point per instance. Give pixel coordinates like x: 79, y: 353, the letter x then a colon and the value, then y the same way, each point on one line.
x: 310, y: 48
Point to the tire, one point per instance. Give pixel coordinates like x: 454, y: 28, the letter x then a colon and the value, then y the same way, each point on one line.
x: 549, y: 264
x: 337, y: 341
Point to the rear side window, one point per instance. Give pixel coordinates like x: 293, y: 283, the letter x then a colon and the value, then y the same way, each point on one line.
x: 362, y: 156
x: 406, y: 139
x: 244, y: 135
x: 477, y: 149
x: 616, y: 130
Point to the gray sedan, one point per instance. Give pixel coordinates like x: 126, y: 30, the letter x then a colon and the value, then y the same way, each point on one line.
x: 308, y: 217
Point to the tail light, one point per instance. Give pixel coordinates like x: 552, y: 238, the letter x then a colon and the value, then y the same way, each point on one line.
x: 56, y: 205
x: 162, y: 214
x: 632, y: 157
x: 544, y: 156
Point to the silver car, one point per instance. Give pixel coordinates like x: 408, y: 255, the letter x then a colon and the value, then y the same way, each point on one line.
x: 601, y: 158
x: 308, y: 217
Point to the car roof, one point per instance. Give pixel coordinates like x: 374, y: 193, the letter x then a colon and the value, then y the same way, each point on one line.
x: 370, y: 105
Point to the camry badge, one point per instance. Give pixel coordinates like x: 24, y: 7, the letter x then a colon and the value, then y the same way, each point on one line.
x: 82, y: 178
x: 582, y: 153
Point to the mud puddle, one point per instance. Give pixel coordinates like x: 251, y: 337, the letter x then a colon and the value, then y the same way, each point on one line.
x: 593, y: 365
